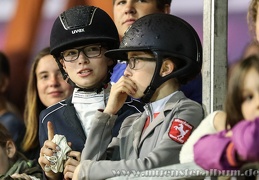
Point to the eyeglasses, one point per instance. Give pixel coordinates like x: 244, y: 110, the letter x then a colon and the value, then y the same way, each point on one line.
x: 89, y: 51
x: 132, y: 61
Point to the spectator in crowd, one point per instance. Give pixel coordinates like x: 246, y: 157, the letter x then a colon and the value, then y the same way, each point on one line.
x: 125, y: 14
x: 237, y: 144
x: 45, y: 88
x: 9, y: 116
x: 79, y: 38
x: 159, y: 59
x: 216, y: 121
x: 13, y: 164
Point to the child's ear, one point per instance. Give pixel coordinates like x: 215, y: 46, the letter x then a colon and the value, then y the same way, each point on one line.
x: 167, y: 67
x: 10, y: 149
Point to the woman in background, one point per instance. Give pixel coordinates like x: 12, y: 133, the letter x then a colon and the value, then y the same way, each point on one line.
x: 46, y: 87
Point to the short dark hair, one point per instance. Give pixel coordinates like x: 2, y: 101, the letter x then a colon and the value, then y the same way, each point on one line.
x: 160, y: 3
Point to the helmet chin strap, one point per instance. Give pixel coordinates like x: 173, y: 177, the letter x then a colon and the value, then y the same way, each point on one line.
x: 156, y: 80
x: 148, y: 93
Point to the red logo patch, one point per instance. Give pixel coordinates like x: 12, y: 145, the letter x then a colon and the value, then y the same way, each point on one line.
x: 180, y: 131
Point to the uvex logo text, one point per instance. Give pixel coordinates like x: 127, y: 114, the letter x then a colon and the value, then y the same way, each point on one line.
x: 78, y: 31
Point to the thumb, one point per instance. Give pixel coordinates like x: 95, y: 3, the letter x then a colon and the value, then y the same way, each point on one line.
x: 50, y: 131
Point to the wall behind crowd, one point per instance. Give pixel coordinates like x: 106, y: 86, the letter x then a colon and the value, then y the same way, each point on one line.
x: 191, y: 11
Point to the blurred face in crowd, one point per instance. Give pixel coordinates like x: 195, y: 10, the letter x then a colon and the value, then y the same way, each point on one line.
x: 250, y: 94
x: 51, y: 86
x: 126, y: 12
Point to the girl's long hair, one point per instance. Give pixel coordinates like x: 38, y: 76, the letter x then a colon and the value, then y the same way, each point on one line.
x: 33, y: 106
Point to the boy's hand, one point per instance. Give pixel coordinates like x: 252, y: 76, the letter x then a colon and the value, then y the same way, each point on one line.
x: 49, y: 148
x: 119, y: 93
x: 71, y: 164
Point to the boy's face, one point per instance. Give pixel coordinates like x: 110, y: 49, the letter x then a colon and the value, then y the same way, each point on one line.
x: 142, y: 72
x: 126, y: 12
x: 87, y: 72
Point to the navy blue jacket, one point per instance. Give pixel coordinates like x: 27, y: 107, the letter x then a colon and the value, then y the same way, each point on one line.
x: 63, y: 117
